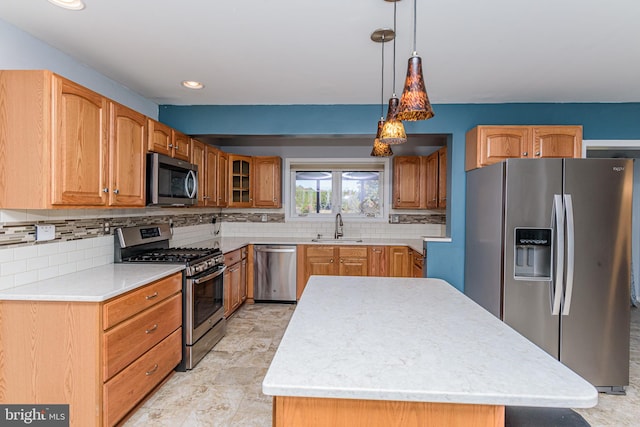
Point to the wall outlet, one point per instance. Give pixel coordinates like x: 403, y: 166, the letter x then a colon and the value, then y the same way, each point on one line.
x: 263, y: 218
x: 45, y: 232
x: 395, y: 219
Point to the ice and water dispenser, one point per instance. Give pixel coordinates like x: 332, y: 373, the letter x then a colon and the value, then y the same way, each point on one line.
x: 533, y: 254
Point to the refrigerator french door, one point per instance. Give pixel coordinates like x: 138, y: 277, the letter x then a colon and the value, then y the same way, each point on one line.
x: 548, y: 250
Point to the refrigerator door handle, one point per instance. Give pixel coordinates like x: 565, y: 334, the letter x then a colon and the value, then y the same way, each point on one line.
x: 570, y: 254
x: 556, y: 285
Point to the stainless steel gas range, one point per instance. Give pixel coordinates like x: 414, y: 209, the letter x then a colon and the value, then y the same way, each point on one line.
x: 203, y: 284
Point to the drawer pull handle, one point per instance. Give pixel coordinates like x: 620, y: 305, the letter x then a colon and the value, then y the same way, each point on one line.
x: 148, y: 331
x: 153, y: 370
x: 152, y: 296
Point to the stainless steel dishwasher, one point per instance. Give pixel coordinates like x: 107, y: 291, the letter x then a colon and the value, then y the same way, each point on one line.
x: 274, y: 273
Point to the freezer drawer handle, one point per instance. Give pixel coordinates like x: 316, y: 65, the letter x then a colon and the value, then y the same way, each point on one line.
x: 556, y: 285
x: 570, y: 254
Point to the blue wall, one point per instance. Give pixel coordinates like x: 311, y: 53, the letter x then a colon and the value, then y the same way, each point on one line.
x: 445, y: 260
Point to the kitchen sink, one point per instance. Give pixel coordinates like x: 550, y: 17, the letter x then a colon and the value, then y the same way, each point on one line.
x: 329, y: 240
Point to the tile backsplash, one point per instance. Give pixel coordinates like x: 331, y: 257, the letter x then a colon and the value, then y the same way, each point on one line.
x: 84, y: 239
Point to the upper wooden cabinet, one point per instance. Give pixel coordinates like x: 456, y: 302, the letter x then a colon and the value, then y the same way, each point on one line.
x: 240, y: 188
x: 206, y: 157
x: 128, y: 147
x: 65, y: 146
x: 486, y: 145
x: 417, y: 181
x: 254, y: 181
x: 167, y: 141
x: 223, y: 179
x: 267, y: 179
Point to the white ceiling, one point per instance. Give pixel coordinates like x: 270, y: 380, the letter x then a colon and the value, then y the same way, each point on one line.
x: 319, y: 52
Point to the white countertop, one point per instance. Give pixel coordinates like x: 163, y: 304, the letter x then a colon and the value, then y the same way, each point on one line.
x: 413, y: 340
x: 92, y: 285
x: 228, y: 244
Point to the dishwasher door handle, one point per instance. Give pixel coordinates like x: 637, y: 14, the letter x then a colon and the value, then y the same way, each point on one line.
x: 274, y: 250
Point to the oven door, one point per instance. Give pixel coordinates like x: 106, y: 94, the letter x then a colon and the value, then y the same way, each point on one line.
x: 204, y: 305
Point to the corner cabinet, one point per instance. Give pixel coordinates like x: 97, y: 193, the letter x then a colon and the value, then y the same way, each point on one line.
x: 103, y: 359
x: 419, y: 182
x: 486, y: 145
x: 83, y: 150
x: 255, y: 181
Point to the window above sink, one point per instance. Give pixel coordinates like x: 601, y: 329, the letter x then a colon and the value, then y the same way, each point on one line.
x: 318, y: 189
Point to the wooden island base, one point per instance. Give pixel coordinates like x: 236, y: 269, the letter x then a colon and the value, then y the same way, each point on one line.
x: 322, y: 412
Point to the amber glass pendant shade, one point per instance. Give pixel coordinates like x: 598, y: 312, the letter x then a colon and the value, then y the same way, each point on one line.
x: 380, y: 149
x: 414, y: 102
x: 393, y: 129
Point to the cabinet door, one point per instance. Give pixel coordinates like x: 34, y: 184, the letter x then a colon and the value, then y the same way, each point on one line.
x: 399, y: 261
x: 557, y: 141
x: 211, y: 176
x: 180, y: 145
x: 406, y: 182
x: 80, y: 146
x: 198, y: 158
x: 486, y: 145
x: 243, y: 280
x: 416, y: 263
x: 128, y: 147
x: 319, y: 260
x: 431, y: 180
x: 378, y: 261
x: 267, y: 181
x: 159, y: 140
x: 442, y: 178
x: 353, y: 261
x: 241, y: 193
x: 222, y: 185
x: 236, y: 283
x: 227, y: 292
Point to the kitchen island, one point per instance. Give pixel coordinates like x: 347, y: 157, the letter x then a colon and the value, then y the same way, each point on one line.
x: 407, y: 352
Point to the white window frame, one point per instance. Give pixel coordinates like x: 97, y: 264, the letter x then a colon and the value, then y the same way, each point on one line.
x: 332, y: 164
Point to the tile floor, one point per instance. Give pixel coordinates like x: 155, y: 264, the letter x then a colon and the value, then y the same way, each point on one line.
x: 224, y: 390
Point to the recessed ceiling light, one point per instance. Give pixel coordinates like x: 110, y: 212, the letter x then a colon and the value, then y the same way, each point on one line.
x: 191, y: 84
x: 69, y: 4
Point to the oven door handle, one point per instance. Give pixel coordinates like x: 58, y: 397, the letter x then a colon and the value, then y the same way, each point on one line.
x: 209, y: 276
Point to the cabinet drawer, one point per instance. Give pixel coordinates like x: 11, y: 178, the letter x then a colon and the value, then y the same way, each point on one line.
x: 123, y: 307
x: 127, y: 341
x: 352, y: 251
x: 324, y: 251
x: 129, y: 387
x: 233, y: 257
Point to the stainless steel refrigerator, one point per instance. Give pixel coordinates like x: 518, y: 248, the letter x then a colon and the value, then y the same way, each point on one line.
x: 548, y: 251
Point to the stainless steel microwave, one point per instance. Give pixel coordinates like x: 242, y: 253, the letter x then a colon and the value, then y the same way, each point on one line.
x: 171, y: 182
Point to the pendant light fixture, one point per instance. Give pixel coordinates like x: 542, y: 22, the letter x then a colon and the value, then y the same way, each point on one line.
x: 414, y: 103
x: 381, y: 149
x: 393, y: 129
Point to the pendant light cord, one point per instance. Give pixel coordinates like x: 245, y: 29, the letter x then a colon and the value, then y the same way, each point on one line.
x: 415, y: 9
x: 394, y: 48
x: 382, y: 85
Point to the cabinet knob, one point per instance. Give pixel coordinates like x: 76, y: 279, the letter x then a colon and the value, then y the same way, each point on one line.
x: 331, y: 260
x: 176, y: 147
x: 116, y: 191
x: 537, y: 153
x: 275, y: 200
x: 341, y: 261
x: 525, y: 154
x: 105, y: 190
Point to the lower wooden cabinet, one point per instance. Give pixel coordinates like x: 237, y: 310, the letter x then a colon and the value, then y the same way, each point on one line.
x: 91, y: 355
x: 357, y: 260
x: 235, y: 280
x: 417, y: 264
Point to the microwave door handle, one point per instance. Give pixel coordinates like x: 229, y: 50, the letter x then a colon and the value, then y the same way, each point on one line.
x: 556, y: 285
x: 571, y: 240
x: 191, y: 176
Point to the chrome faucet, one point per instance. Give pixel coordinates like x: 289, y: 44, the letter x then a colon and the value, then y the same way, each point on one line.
x: 338, y: 234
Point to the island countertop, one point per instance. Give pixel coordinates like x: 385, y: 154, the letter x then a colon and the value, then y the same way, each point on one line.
x: 418, y: 340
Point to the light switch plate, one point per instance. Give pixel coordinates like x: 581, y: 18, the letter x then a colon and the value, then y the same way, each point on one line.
x: 45, y: 232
